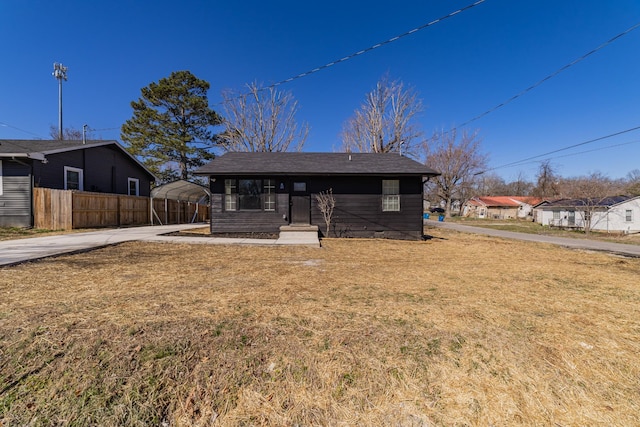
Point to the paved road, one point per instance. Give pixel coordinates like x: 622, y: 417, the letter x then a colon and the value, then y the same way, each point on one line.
x: 596, y: 245
x: 21, y: 250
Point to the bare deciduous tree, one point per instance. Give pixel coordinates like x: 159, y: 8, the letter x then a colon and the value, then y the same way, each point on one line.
x: 261, y: 120
x: 326, y: 203
x: 589, y: 193
x: 459, y: 162
x: 633, y: 183
x: 547, y: 181
x: 68, y: 134
x: 384, y: 123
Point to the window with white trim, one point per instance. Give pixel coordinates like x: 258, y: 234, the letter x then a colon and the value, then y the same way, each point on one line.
x: 133, y: 185
x: 269, y: 194
x: 628, y: 215
x: 390, y: 195
x: 73, y: 178
x: 230, y: 194
x: 1, y: 185
x: 250, y: 194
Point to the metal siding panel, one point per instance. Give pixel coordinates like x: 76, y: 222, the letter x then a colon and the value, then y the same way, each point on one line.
x: 15, y: 201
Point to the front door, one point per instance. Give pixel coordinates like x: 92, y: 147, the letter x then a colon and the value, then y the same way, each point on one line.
x: 300, y: 203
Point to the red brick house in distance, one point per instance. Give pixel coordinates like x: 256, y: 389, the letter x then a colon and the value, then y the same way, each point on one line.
x: 500, y: 207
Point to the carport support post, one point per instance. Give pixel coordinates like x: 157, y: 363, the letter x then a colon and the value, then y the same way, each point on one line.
x: 195, y: 214
x: 165, y: 211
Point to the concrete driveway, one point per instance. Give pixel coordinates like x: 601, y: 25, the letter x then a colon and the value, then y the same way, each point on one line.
x: 20, y: 250
x: 595, y: 245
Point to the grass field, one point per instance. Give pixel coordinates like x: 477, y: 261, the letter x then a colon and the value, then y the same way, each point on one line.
x: 457, y: 330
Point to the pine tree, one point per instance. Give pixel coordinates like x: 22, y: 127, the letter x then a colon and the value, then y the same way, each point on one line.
x: 171, y: 128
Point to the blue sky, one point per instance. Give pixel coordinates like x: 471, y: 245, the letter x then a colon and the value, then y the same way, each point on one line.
x: 460, y: 67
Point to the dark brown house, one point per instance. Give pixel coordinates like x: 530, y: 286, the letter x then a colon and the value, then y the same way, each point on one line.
x: 377, y: 195
x: 100, y: 166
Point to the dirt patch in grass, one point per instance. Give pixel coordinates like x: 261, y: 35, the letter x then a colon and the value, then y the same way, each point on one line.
x: 457, y: 330
x: 206, y: 232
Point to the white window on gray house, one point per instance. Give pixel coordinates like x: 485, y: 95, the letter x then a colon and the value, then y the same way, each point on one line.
x: 628, y: 215
x: 556, y: 216
x: 390, y: 195
x: 73, y: 178
x: 269, y: 194
x: 134, y: 186
x: 1, y: 186
x: 230, y: 192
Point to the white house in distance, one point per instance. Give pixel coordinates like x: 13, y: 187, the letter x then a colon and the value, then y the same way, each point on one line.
x: 620, y: 214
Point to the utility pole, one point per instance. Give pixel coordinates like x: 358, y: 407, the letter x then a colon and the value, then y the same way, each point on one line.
x: 60, y: 73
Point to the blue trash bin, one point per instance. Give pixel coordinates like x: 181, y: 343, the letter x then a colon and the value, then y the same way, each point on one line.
x: 426, y: 216
x: 441, y: 218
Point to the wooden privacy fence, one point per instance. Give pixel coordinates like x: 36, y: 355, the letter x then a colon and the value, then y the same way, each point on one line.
x: 167, y: 211
x: 67, y: 209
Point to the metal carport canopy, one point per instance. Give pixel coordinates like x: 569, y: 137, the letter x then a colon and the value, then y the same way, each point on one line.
x: 181, y: 190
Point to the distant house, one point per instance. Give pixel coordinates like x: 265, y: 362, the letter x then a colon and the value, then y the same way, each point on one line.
x: 620, y: 214
x: 100, y: 166
x: 500, y: 207
x: 377, y: 195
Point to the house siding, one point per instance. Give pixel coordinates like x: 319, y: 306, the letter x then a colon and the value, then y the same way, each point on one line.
x: 105, y: 170
x: 611, y: 220
x: 15, y: 200
x: 358, y: 211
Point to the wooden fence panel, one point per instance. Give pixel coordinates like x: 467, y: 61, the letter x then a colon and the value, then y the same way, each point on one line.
x: 94, y: 210
x: 52, y: 209
x: 134, y: 210
x: 177, y: 212
x: 67, y: 209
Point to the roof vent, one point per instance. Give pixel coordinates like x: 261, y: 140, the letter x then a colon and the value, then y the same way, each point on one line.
x: 349, y: 157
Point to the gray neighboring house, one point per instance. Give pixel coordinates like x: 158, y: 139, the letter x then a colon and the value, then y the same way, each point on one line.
x: 377, y: 195
x: 618, y: 214
x: 99, y: 166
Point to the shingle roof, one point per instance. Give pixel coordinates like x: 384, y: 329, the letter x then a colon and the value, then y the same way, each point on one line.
x: 284, y: 163
x: 504, y: 201
x: 23, y: 147
x: 604, y: 202
x: 39, y: 148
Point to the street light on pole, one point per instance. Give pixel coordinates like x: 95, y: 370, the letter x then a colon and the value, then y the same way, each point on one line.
x: 60, y: 73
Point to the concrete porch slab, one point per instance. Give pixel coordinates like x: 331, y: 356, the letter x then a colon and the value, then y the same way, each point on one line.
x: 306, y: 235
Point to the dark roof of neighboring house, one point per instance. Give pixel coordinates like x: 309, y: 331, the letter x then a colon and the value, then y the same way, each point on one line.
x: 38, y: 149
x: 576, y: 203
x: 285, y: 163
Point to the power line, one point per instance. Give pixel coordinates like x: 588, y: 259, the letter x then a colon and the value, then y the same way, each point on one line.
x: 360, y: 52
x: 582, y: 152
x: 517, y: 163
x: 538, y: 83
x: 376, y: 46
x: 21, y: 130
x: 95, y: 130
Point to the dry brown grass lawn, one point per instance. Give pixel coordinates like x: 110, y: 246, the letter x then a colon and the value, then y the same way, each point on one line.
x: 457, y: 330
